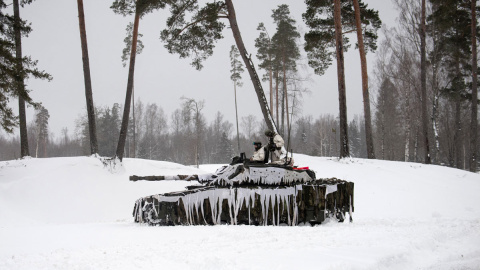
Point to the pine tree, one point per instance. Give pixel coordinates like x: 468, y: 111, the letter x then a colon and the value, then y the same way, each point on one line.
x: 474, y: 118
x: 126, y: 52
x: 215, y: 131
x: 225, y: 150
x: 19, y: 81
x: 265, y: 54
x: 41, y: 123
x: 139, y: 8
x: 387, y: 122
x: 196, y: 38
x: 236, y: 77
x: 344, y: 150
x: 14, y: 69
x: 452, y: 19
x: 354, y: 138
x: 105, y: 132
x: 192, y: 114
x: 423, y: 78
x: 285, y: 51
x: 108, y: 120
x: 88, y: 82
x: 365, y: 90
x: 125, y: 56
x: 326, y: 19
x: 8, y: 120
x: 320, y: 40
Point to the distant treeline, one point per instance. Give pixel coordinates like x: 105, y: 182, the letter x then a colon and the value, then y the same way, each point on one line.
x: 174, y: 137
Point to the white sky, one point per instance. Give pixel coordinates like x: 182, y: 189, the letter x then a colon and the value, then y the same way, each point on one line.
x: 159, y: 76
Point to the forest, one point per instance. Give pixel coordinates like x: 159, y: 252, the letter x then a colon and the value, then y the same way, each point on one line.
x: 420, y: 97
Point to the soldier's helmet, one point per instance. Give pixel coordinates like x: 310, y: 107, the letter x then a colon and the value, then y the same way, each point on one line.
x: 269, y: 133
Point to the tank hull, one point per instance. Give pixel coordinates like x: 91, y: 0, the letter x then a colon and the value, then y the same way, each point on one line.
x: 310, y: 202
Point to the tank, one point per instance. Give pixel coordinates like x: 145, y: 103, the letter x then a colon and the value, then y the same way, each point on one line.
x: 251, y: 194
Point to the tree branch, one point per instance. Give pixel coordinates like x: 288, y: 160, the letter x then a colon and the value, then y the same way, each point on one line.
x: 225, y: 16
x: 188, y: 25
x: 184, y: 8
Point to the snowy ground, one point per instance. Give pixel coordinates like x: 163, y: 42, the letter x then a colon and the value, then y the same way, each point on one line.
x: 73, y: 213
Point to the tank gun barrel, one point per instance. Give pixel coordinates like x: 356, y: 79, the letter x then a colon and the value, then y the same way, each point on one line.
x: 202, y: 179
x: 193, y: 177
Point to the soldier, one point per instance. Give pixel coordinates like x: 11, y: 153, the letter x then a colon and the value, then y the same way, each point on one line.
x: 259, y: 154
x: 275, y: 146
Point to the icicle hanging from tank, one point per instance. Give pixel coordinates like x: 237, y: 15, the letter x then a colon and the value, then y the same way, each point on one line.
x: 259, y: 205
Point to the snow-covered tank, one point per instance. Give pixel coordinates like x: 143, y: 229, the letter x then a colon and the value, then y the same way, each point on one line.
x: 251, y: 194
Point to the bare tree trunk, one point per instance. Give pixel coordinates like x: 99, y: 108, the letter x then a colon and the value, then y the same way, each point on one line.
x: 37, y: 143
x: 286, y: 95
x: 435, y: 109
x: 271, y: 85
x: 408, y: 127
x: 435, y: 126
x: 197, y: 135
x: 383, y: 137
x: 282, y: 126
x: 196, y: 151
x: 88, y: 82
x: 131, y: 71
x: 457, y: 136
x: 450, y: 135
x: 435, y: 103
x: 24, y: 150
x: 474, y: 123
x: 423, y: 75
x: 45, y: 146
x: 344, y: 148
x: 134, y: 124
x: 236, y: 116
x: 366, y: 95
x: 407, y: 142
x: 276, y: 95
x: 291, y: 120
x: 257, y: 84
x: 415, y: 146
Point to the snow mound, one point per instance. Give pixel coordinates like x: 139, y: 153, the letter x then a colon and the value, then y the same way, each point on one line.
x: 389, y: 189
x: 78, y: 189
x: 76, y: 213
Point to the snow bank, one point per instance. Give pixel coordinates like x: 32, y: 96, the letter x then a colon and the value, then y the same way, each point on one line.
x: 73, y: 213
x: 78, y: 189
x: 391, y: 189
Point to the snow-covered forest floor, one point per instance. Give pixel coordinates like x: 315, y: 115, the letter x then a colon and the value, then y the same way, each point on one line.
x: 74, y: 213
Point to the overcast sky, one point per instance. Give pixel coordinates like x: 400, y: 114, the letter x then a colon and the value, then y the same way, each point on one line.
x: 160, y: 77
